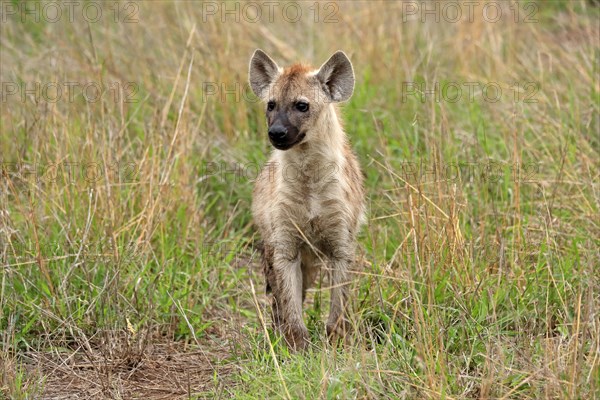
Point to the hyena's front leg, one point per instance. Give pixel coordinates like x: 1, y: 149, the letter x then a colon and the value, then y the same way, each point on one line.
x: 287, y: 299
x: 338, y: 324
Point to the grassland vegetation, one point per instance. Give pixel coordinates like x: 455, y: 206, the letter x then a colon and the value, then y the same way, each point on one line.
x: 129, y: 146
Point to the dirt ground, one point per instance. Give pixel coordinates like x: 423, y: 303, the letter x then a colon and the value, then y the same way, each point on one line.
x: 119, y: 366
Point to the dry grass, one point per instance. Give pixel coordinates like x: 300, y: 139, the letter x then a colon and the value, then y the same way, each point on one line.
x: 112, y: 368
x: 479, y: 284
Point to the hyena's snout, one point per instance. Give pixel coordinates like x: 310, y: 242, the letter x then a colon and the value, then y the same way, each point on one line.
x: 283, y: 135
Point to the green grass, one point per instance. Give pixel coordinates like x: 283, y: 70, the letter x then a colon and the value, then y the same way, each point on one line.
x: 478, y: 270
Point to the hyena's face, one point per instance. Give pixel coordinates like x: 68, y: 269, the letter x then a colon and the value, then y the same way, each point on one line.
x: 296, y: 96
x: 293, y: 105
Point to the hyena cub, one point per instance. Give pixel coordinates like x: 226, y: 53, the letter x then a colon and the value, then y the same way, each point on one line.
x: 308, y: 201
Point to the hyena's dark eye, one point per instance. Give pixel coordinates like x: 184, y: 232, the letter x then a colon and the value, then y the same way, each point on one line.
x: 302, y: 106
x: 270, y: 105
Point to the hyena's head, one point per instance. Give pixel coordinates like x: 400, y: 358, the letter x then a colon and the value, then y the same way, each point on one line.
x: 296, y: 96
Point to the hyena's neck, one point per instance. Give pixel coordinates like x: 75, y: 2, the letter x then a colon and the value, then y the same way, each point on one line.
x: 325, y: 143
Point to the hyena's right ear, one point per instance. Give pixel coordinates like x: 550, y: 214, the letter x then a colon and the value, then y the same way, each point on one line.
x: 263, y: 71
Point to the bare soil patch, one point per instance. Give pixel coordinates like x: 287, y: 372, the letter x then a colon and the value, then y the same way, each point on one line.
x: 119, y: 366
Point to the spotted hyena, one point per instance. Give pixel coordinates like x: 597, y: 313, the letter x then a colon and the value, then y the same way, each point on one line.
x: 308, y: 201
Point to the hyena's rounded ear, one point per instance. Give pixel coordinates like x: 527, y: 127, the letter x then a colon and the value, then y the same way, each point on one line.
x: 263, y: 71
x: 337, y: 77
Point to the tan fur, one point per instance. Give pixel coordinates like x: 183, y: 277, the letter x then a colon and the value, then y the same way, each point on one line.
x: 308, y: 205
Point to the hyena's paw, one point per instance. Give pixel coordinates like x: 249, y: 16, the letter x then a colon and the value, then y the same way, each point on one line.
x: 338, y: 330
x: 296, y: 336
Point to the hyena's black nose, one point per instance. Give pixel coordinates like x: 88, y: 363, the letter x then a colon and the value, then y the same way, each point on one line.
x: 277, y: 132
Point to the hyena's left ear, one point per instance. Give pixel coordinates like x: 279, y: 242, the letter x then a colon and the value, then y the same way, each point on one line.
x: 263, y: 71
x: 337, y: 77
